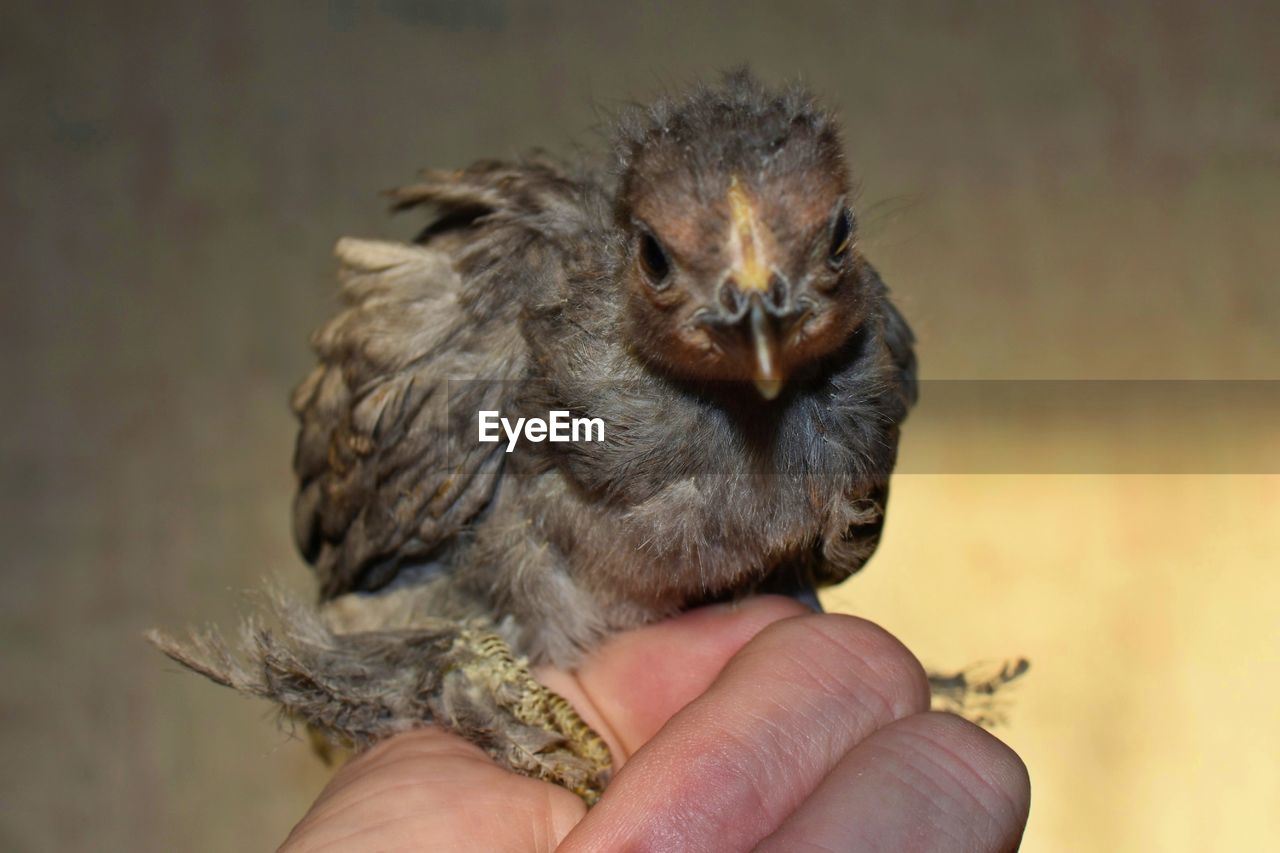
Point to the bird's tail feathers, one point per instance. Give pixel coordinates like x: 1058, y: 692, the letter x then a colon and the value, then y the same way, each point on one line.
x: 358, y: 688
x: 353, y: 689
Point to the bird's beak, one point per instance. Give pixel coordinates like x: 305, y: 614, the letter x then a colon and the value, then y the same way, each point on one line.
x: 751, y: 274
x: 764, y: 340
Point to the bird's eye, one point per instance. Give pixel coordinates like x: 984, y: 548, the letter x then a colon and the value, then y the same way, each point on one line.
x: 653, y: 259
x: 841, y: 238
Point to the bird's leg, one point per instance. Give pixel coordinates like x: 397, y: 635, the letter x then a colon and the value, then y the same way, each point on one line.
x: 548, y: 739
x: 358, y: 688
x: 977, y: 692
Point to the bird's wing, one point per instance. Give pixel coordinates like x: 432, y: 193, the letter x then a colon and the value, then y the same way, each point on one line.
x: 386, y: 474
x: 901, y: 343
x: 854, y: 529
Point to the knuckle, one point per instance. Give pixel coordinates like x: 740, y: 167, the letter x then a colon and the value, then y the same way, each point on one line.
x: 854, y: 658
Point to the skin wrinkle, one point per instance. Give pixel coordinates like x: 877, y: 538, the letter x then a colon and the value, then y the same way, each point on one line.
x: 368, y: 828
x: 714, y: 755
x: 809, y: 734
x: 826, y: 681
x: 781, y: 838
x: 926, y: 770
x: 464, y: 751
x: 736, y: 625
x: 912, y: 779
x: 912, y: 755
x: 793, y: 737
x: 793, y: 731
x: 375, y: 795
x: 959, y: 765
x: 750, y: 780
x: 378, y: 793
x: 326, y: 809
x: 550, y: 837
x: 554, y: 835
x: 540, y: 830
x: 818, y: 636
x: 859, y: 652
x: 424, y: 743
x: 880, y: 708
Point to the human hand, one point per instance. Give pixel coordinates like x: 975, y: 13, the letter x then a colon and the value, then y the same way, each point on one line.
x: 733, y: 726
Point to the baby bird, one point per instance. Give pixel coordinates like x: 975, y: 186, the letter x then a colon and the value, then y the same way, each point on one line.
x: 705, y: 297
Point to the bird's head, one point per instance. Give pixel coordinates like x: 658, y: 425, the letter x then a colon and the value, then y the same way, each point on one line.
x: 741, y: 261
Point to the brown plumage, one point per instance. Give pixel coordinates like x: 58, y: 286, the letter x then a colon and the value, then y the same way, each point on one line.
x: 706, y: 298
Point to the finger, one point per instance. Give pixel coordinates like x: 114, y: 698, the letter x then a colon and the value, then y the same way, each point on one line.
x: 638, y: 680
x: 732, y: 765
x: 927, y: 782
x: 427, y: 789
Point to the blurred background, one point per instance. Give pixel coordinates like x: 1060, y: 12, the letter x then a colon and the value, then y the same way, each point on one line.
x: 1054, y: 191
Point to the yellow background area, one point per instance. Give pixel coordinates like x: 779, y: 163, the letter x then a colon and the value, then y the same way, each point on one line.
x: 1148, y: 606
x: 1053, y: 191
